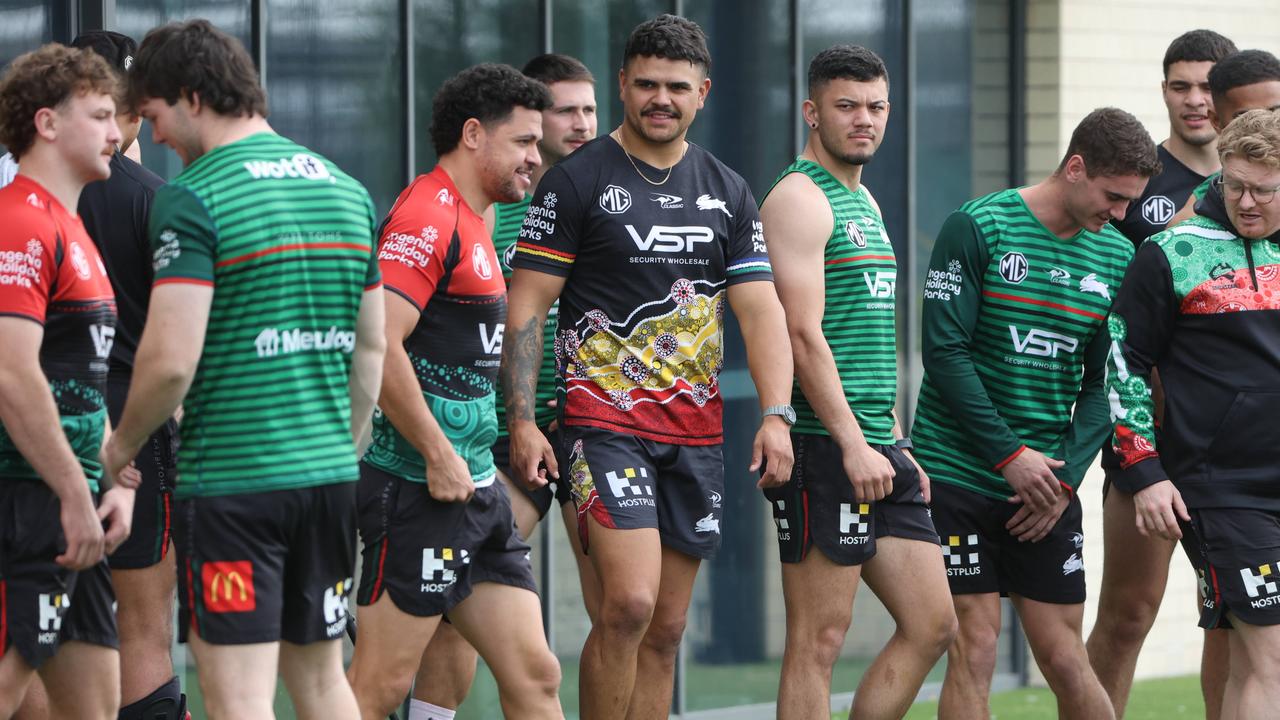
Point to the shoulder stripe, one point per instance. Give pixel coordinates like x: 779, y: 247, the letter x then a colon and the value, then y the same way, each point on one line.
x: 544, y: 252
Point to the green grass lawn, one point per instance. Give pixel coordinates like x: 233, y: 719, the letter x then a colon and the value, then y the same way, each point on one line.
x: 1151, y: 700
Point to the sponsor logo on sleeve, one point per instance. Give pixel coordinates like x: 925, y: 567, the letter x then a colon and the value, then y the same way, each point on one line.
x: 409, y: 250
x: 22, y: 269
x: 944, y: 284
x: 168, y: 251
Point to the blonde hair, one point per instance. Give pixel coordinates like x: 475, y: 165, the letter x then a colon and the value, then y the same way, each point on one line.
x: 1253, y: 136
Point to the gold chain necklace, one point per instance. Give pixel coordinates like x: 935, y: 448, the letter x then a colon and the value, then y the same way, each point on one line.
x: 637, y: 167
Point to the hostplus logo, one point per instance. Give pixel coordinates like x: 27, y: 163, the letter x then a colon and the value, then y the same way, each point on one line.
x: 854, y: 525
x: 336, y: 607
x: 274, y: 341
x: 1261, y: 586
x: 437, y: 575
x: 301, y: 165
x: 781, y: 521
x: 634, y: 483
x: 960, y: 555
x: 52, y: 609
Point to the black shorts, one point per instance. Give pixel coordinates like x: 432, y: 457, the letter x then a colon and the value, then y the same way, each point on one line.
x: 263, y: 567
x: 982, y: 556
x: 542, y: 497
x: 627, y: 482
x: 817, y: 506
x: 43, y: 604
x: 1236, y: 555
x: 427, y: 554
x: 148, y: 543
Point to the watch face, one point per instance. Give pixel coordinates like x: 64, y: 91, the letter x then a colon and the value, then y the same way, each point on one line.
x: 789, y: 414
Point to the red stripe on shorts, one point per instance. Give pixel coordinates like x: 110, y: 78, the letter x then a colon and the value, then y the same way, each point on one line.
x: 191, y: 599
x: 377, y: 583
x: 168, y: 515
x: 4, y: 617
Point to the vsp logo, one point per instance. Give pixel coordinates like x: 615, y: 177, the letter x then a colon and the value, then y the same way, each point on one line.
x: 1042, y: 343
x: 665, y: 239
x: 104, y: 336
x: 882, y: 284
x: 492, y: 342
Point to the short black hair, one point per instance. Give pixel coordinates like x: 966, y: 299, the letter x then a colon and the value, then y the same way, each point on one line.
x: 845, y: 62
x: 1247, y: 67
x: 180, y: 59
x: 118, y: 49
x: 1113, y: 143
x: 488, y: 92
x: 552, y: 68
x: 669, y: 37
x: 1197, y: 46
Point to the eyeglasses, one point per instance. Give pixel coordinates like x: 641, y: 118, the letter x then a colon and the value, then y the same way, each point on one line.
x: 1234, y: 190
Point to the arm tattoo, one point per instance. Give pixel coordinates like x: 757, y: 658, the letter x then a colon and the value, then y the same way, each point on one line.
x: 521, y: 357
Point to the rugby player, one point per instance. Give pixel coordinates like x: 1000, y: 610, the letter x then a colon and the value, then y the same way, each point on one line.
x: 643, y: 237
x: 1205, y: 290
x: 855, y: 506
x: 1135, y: 568
x: 437, y: 527
x: 266, y: 316
x: 57, y: 321
x: 448, y: 666
x: 1011, y: 410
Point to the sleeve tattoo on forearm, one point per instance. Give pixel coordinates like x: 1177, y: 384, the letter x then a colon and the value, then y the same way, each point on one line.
x: 521, y: 356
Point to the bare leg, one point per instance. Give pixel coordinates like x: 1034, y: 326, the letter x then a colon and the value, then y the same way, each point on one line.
x: 819, y: 600
x: 313, y: 675
x: 1054, y: 632
x: 656, y: 661
x: 971, y: 661
x: 387, y: 656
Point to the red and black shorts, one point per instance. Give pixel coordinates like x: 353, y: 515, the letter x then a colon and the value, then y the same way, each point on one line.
x: 817, y: 506
x: 263, y: 567
x: 429, y: 555
x: 1236, y: 556
x: 627, y: 482
x: 148, y: 543
x: 982, y: 556
x: 42, y: 604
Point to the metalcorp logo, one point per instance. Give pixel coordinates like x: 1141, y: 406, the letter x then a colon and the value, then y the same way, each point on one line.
x: 274, y: 341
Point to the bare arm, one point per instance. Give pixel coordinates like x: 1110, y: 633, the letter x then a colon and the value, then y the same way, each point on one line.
x: 764, y: 328
x: 30, y: 417
x: 367, y: 360
x: 529, y: 297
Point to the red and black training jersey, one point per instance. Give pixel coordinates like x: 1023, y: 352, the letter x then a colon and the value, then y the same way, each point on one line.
x: 51, y: 273
x: 640, y: 341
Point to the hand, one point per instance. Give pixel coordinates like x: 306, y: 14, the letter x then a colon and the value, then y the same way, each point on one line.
x: 772, y: 450
x: 449, y: 478
x: 551, y: 427
x: 529, y: 449
x: 116, y: 510
x: 1030, y: 526
x: 1032, y: 479
x: 130, y: 477
x: 82, y: 530
x: 1158, y: 508
x: 870, y: 473
x: 116, y: 459
x: 926, y: 489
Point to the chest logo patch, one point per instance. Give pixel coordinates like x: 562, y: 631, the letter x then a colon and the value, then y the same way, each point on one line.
x: 1091, y: 284
x: 1158, y: 210
x: 1013, y: 267
x: 480, y: 262
x: 856, y: 236
x: 80, y: 261
x: 615, y: 200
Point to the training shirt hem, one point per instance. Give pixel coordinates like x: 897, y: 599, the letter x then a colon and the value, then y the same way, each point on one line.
x: 963, y: 485
x: 646, y: 434
x: 188, y: 489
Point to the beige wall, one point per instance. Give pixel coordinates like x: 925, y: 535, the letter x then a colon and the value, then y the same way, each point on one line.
x: 1083, y: 54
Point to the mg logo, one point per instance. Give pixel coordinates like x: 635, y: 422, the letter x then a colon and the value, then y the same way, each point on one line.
x: 1013, y: 267
x: 664, y: 239
x: 103, y: 338
x: 1042, y: 343
x: 615, y: 200
x: 856, y: 236
x: 492, y: 343
x: 882, y: 284
x: 480, y: 261
x: 1158, y: 210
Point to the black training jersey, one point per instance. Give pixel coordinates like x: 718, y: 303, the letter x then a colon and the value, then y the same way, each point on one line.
x: 114, y: 212
x: 1165, y: 195
x: 639, y: 345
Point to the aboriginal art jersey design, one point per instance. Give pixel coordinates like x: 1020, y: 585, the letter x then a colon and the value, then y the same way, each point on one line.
x: 286, y: 240
x: 435, y: 252
x: 51, y: 273
x: 509, y: 217
x: 1014, y: 344
x: 639, y: 344
x: 1203, y: 304
x: 860, y: 277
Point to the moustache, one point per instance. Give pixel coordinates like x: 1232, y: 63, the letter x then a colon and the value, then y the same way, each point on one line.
x: 667, y: 110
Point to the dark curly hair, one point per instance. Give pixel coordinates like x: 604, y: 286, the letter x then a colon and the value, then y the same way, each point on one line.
x: 669, y: 37
x: 194, y: 57
x: 552, y: 68
x: 845, y: 62
x: 46, y: 78
x: 488, y: 92
x: 1197, y: 46
x: 1113, y: 143
x: 1247, y: 67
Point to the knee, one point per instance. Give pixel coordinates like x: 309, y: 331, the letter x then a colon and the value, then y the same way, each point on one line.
x: 1065, y: 667
x: 974, y: 648
x: 1128, y: 622
x: 821, y: 641
x: 382, y: 691
x: 664, y: 635
x: 626, y: 615
x: 934, y: 636
x: 544, y: 674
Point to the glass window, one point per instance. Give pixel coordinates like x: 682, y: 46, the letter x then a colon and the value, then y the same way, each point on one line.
x: 26, y: 25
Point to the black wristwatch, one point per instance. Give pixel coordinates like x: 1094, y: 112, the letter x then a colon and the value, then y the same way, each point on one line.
x: 904, y: 444
x: 786, y: 412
